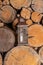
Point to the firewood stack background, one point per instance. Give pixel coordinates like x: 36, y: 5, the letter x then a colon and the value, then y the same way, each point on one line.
x: 12, y: 12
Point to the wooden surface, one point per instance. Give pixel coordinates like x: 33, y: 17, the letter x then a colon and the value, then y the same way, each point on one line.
x: 37, y: 5
x: 7, y: 39
x: 20, y: 3
x: 35, y: 32
x: 7, y: 14
x: 21, y: 55
x: 29, y: 12
x: 29, y: 22
x: 36, y: 17
x: 25, y: 13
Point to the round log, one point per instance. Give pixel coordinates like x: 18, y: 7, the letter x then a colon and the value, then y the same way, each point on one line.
x: 41, y: 54
x: 20, y: 3
x: 36, y: 17
x: 1, y: 60
x: 25, y: 13
x: 37, y: 5
x: 22, y: 55
x: 29, y: 22
x: 7, y: 39
x: 7, y: 14
x: 35, y: 35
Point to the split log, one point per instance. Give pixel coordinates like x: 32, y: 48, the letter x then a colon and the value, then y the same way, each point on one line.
x: 25, y: 13
x: 36, y: 17
x: 15, y: 22
x: 37, y: 5
x: 1, y: 60
x: 7, y: 14
x: 6, y: 2
x: 41, y: 54
x: 20, y: 3
x: 7, y: 39
x: 35, y: 35
x: 29, y: 22
x: 20, y: 54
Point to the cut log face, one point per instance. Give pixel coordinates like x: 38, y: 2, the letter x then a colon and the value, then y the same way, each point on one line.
x: 7, y: 39
x: 41, y: 54
x: 29, y: 22
x: 21, y: 55
x: 36, y: 17
x: 0, y: 59
x: 25, y: 13
x: 15, y: 22
x: 35, y: 34
x: 37, y: 5
x: 7, y: 14
x: 20, y: 3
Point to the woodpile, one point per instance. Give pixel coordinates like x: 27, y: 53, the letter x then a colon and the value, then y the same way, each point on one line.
x: 21, y: 32
x: 22, y: 55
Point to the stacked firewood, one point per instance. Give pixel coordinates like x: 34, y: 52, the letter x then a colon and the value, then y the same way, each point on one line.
x: 12, y: 12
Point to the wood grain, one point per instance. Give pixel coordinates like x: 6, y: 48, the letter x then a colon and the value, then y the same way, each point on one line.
x: 21, y: 55
x: 7, y: 39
